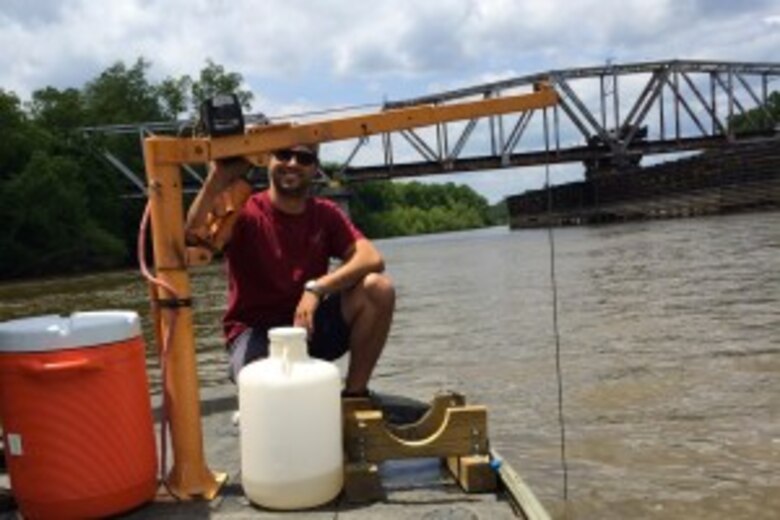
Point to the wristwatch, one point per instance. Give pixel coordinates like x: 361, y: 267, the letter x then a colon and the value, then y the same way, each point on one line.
x: 313, y: 287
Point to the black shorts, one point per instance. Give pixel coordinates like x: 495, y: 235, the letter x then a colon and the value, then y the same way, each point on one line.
x: 330, y: 340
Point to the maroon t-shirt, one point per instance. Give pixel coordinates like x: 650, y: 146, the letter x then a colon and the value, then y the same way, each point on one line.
x: 271, y: 254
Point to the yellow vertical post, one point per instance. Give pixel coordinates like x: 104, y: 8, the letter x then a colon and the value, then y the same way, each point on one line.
x: 189, y: 477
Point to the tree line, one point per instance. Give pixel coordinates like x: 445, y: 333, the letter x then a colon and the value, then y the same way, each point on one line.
x: 389, y: 209
x: 761, y: 119
x: 61, y: 204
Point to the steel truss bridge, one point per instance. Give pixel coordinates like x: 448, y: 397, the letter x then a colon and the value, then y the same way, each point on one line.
x: 608, y: 116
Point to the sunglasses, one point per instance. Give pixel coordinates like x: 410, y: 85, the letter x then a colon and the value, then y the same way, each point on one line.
x: 301, y: 157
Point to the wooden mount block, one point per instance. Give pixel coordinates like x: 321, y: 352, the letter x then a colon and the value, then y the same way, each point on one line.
x: 362, y: 482
x: 450, y: 430
x: 453, y: 431
x: 474, y: 473
x: 431, y: 421
x: 350, y: 405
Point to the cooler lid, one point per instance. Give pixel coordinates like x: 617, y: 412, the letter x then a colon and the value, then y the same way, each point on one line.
x: 80, y: 329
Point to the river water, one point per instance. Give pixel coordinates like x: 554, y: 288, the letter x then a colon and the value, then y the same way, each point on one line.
x: 669, y: 350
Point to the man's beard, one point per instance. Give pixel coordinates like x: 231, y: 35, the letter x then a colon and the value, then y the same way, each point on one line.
x: 299, y: 191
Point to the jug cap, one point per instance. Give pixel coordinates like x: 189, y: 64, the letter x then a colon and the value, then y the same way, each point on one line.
x: 287, y: 334
x: 289, y: 344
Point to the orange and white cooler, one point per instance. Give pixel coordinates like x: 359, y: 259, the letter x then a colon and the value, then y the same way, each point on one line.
x: 76, y: 414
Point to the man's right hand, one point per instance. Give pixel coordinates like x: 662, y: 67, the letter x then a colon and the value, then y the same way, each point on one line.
x: 222, y: 175
x: 226, y: 171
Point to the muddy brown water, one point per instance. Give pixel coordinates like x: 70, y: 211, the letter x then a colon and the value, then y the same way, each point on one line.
x: 670, y: 354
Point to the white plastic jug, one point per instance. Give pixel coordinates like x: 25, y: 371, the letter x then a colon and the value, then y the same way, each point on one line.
x: 291, y: 439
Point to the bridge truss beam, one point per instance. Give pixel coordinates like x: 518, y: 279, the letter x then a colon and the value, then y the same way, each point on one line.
x: 612, y: 111
x: 610, y: 114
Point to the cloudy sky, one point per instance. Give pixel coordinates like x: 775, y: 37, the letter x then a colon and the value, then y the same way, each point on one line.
x: 298, y: 55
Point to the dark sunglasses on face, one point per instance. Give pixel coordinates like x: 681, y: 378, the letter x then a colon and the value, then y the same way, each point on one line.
x: 301, y: 157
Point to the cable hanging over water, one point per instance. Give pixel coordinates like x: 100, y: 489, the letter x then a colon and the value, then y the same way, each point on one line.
x: 554, y: 287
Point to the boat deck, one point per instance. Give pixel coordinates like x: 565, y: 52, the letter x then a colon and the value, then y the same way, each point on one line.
x: 415, y: 488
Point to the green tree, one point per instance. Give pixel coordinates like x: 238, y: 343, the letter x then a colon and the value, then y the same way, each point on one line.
x: 122, y: 95
x: 61, y: 114
x: 498, y: 214
x: 48, y: 226
x: 765, y: 117
x: 174, y: 95
x: 60, y: 202
x: 214, y: 80
x: 385, y: 209
x: 18, y: 138
x: 59, y: 111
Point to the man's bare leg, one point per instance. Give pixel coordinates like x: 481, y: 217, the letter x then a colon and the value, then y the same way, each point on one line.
x: 368, y: 309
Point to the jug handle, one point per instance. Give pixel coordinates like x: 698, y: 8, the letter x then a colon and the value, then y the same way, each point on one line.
x: 286, y: 367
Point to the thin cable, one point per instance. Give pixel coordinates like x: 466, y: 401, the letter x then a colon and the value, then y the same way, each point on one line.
x: 166, y: 341
x: 554, y: 284
x: 324, y: 111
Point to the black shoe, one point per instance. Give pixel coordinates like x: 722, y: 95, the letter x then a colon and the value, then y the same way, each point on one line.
x: 374, y: 398
x: 365, y: 394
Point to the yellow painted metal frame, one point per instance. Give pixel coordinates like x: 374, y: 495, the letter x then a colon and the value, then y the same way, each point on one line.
x: 164, y: 156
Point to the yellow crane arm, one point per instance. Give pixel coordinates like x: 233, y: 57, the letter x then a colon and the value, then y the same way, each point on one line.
x: 274, y: 137
x: 258, y: 141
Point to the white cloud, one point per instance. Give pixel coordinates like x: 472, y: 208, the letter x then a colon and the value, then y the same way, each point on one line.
x: 772, y: 20
x: 435, y: 42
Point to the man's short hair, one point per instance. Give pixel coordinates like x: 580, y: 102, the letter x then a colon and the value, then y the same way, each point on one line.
x: 313, y: 148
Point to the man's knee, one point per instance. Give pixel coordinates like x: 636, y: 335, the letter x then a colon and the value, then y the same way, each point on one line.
x: 374, y: 293
x: 380, y: 289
